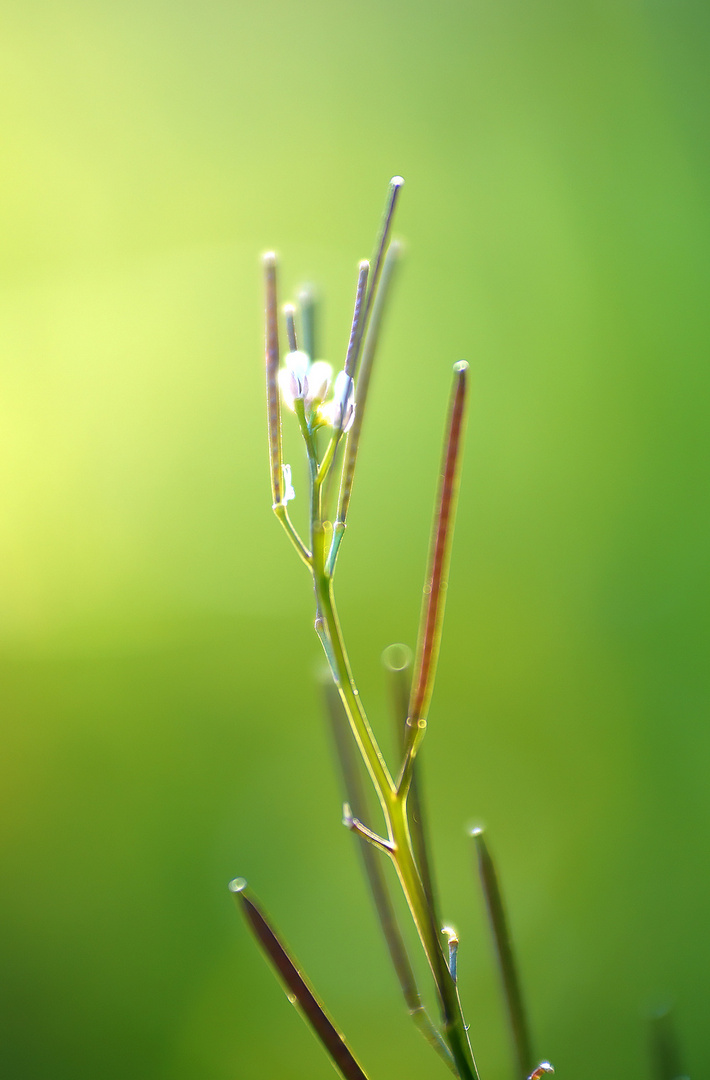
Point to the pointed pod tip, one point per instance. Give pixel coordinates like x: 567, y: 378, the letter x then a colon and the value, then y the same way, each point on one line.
x: 396, y: 181
x: 237, y: 885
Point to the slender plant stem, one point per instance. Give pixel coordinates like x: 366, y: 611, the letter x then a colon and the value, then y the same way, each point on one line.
x: 393, y: 798
x: 371, y: 754
x: 394, y: 806
x: 357, y: 797
x: 283, y: 516
x: 400, y: 686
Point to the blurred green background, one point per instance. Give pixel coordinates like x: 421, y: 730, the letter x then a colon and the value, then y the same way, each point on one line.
x: 161, y: 727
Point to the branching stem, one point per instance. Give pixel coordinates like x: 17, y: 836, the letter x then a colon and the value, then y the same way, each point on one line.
x: 394, y: 807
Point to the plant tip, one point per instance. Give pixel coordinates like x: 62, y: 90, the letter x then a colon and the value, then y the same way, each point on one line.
x: 451, y: 934
x: 239, y: 884
x: 461, y: 366
x: 269, y: 258
x: 476, y: 830
x: 397, y: 181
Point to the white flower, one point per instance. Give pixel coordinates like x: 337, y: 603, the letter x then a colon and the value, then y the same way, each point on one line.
x: 292, y: 378
x: 318, y: 381
x: 300, y: 380
x: 339, y: 412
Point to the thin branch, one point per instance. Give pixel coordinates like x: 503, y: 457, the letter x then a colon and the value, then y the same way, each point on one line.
x: 283, y: 516
x: 296, y: 985
x: 356, y: 826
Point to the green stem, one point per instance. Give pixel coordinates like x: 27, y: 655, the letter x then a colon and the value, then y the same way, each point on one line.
x: 283, y: 516
x: 394, y: 806
x: 454, y: 1026
x: 375, y: 872
x: 392, y: 796
x: 371, y: 754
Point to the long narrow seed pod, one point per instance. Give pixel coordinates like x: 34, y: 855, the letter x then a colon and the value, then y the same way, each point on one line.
x: 367, y: 333
x: 502, y: 941
x: 363, y: 384
x: 395, y: 187
x: 298, y: 989
x: 429, y: 637
x: 308, y: 306
x: 358, y: 315
x: 326, y: 466
x: 290, y: 317
x: 273, y: 404
x: 374, y: 871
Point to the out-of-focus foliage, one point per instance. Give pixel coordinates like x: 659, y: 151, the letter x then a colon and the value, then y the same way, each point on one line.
x: 161, y: 730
